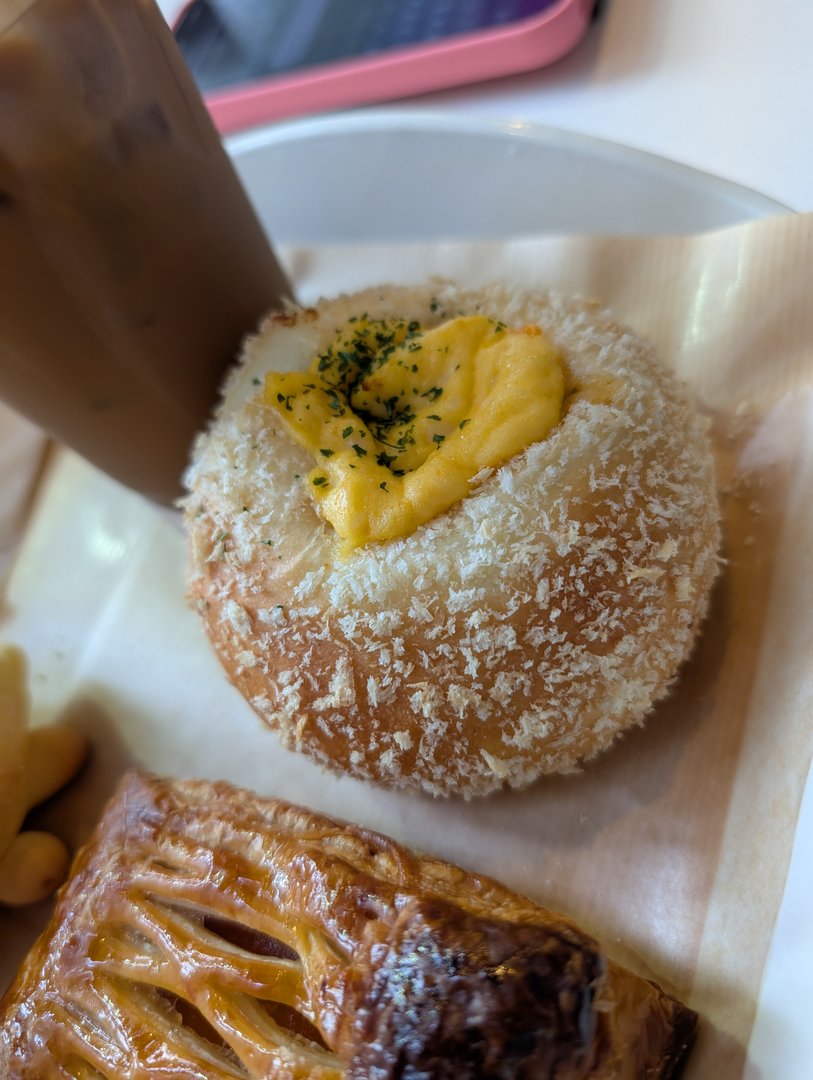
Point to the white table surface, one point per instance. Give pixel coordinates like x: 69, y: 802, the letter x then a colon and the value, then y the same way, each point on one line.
x: 722, y: 85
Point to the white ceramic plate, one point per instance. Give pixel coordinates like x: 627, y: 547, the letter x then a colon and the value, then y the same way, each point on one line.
x: 386, y: 175
x: 96, y: 595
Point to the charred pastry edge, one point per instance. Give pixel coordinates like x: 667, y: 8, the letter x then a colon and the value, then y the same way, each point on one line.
x: 460, y: 967
x: 225, y: 844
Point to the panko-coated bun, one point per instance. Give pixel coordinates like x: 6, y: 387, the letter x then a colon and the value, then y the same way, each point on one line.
x: 516, y: 634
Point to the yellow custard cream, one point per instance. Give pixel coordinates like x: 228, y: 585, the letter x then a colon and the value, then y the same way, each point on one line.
x: 399, y: 420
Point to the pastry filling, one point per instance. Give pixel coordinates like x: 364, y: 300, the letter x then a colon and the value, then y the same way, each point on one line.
x: 400, y: 420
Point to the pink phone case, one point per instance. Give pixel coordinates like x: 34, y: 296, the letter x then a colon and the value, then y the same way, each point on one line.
x: 452, y: 61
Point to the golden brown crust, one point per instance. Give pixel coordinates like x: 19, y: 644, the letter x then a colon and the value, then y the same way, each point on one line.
x: 34, y: 764
x: 517, y: 634
x: 207, y: 932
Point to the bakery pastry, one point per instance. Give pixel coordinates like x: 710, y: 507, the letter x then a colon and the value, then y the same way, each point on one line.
x: 467, y: 559
x: 208, y: 932
x: 34, y: 764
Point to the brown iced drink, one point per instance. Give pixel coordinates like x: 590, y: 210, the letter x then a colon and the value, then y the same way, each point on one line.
x: 131, y: 263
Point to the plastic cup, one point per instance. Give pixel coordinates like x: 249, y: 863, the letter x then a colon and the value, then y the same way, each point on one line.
x: 131, y: 262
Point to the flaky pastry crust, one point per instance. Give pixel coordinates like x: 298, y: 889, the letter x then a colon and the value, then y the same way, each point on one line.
x: 209, y: 933
x: 516, y: 634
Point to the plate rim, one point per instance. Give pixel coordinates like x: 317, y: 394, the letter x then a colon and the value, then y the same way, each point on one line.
x: 394, y: 120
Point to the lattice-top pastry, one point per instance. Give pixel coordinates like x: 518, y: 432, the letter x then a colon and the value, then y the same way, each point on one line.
x: 209, y: 933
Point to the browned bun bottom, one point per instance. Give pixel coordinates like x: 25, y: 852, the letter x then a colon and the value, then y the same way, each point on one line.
x: 518, y: 633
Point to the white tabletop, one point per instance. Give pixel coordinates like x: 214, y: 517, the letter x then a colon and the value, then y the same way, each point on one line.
x: 722, y: 85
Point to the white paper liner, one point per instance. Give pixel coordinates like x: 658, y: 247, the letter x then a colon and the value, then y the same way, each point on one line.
x: 673, y: 848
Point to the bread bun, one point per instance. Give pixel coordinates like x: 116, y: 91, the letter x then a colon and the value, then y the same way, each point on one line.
x: 516, y: 634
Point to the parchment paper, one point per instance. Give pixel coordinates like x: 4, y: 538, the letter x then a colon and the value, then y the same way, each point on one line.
x: 673, y: 847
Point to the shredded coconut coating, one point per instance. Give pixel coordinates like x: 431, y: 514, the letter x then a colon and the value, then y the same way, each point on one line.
x: 517, y: 634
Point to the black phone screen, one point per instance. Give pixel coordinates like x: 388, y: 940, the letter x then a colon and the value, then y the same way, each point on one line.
x: 236, y: 41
